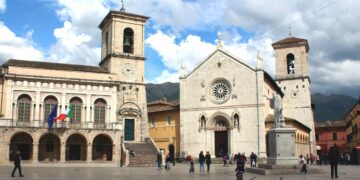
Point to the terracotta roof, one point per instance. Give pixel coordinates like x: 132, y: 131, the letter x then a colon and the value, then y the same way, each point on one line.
x: 270, y: 119
x: 162, y: 105
x: 291, y: 42
x: 326, y: 124
x: 55, y: 66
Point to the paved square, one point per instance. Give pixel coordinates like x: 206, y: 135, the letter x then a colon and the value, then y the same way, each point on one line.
x: 180, y: 171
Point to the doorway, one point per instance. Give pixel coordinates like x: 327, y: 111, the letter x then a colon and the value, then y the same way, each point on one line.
x: 129, y: 130
x: 74, y: 152
x: 221, y: 143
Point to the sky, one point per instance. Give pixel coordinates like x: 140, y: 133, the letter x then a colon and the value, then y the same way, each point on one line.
x: 185, y: 32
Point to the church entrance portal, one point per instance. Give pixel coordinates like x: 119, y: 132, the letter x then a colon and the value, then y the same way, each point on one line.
x: 221, y: 143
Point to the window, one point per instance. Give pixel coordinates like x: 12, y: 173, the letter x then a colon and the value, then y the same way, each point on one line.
x: 317, y: 137
x: 290, y: 63
x: 77, y: 105
x: 128, y: 41
x: 169, y: 120
x: 24, y: 108
x: 152, y: 122
x: 334, y: 136
x: 99, y: 111
x: 49, y: 103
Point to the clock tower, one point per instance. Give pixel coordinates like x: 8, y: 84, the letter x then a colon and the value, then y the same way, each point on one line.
x: 122, y: 55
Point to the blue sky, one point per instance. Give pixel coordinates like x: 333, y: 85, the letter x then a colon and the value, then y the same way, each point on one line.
x: 185, y: 32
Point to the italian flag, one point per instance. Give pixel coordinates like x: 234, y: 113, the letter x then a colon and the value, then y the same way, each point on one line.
x: 68, y: 113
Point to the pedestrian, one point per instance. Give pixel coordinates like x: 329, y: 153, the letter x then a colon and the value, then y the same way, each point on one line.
x: 17, y: 163
x: 192, y: 168
x: 202, y: 161
x: 168, y: 162
x: 307, y: 159
x: 303, y: 164
x: 225, y: 159
x: 253, y: 158
x: 159, y: 161
x: 208, y: 161
x: 334, y: 158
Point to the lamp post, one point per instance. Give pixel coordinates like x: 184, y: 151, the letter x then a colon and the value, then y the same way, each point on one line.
x: 174, y: 141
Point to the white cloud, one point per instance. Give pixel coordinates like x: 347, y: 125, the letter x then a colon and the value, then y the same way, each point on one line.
x: 191, y: 51
x: 16, y: 47
x: 78, y: 41
x: 2, y: 5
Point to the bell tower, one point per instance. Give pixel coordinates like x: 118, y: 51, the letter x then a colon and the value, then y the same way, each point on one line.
x: 292, y: 76
x: 122, y: 45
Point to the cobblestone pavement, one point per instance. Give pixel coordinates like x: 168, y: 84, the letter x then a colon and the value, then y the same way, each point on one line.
x: 180, y: 171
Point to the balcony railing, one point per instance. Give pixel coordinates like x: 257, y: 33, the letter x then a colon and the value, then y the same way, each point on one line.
x: 60, y: 124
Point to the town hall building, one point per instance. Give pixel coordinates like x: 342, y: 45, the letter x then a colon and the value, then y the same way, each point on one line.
x: 109, y: 101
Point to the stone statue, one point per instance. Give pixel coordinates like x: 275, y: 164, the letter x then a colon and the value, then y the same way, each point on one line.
x: 276, y: 102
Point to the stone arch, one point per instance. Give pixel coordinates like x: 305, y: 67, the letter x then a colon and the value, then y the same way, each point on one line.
x: 23, y: 142
x: 49, y: 147
x: 76, y: 147
x: 130, y: 109
x: 128, y: 40
x: 102, y: 147
x: 219, y: 116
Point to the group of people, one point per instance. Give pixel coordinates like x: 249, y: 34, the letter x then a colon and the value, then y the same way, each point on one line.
x: 159, y: 161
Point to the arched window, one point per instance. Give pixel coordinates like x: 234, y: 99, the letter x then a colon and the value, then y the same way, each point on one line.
x: 128, y: 41
x: 49, y: 103
x: 24, y: 108
x: 99, y: 111
x: 290, y: 63
x: 202, y: 122
x: 236, y: 121
x: 77, y: 105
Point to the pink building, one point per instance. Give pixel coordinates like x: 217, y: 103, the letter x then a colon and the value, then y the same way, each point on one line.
x: 330, y: 132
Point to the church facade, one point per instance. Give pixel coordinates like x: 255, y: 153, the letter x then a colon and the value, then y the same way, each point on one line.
x: 109, y: 100
x: 225, y: 104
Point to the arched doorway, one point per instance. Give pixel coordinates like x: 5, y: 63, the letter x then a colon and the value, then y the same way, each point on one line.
x: 221, y: 132
x: 49, y: 148
x: 76, y: 148
x: 22, y: 142
x: 102, y: 148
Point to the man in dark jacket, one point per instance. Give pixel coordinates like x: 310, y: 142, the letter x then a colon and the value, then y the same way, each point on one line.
x: 334, y: 159
x: 17, y: 163
x: 208, y: 160
x: 202, y: 161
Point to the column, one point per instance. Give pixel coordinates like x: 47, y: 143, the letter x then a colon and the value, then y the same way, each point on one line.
x: 35, y: 158
x: 89, y: 153
x: 62, y: 152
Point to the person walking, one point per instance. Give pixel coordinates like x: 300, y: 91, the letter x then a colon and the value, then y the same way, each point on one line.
x: 208, y: 161
x: 303, y: 164
x: 17, y: 163
x: 168, y: 162
x: 159, y: 161
x: 253, y: 158
x: 202, y: 161
x: 334, y: 159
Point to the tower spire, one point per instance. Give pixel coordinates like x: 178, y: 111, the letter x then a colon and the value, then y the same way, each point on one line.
x: 122, y: 6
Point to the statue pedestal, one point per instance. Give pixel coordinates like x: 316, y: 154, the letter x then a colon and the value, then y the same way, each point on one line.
x: 282, y: 146
x: 282, y: 159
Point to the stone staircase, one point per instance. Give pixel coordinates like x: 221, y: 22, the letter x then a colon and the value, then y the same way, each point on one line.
x: 145, y: 154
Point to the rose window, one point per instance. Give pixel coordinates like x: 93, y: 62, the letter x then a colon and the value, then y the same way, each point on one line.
x: 220, y: 91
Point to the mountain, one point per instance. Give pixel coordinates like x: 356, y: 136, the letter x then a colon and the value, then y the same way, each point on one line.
x: 167, y: 90
x: 328, y: 107
x: 331, y: 107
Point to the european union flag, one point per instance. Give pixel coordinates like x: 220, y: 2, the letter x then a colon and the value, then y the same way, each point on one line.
x: 52, y: 116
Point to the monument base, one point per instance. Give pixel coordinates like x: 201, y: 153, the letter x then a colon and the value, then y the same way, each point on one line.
x: 282, y: 146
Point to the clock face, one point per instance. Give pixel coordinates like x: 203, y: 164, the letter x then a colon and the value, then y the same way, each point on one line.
x: 128, y: 70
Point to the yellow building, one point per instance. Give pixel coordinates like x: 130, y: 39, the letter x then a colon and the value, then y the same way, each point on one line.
x: 164, y: 125
x: 352, y: 119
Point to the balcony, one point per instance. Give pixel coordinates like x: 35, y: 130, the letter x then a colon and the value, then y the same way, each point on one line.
x: 60, y: 124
